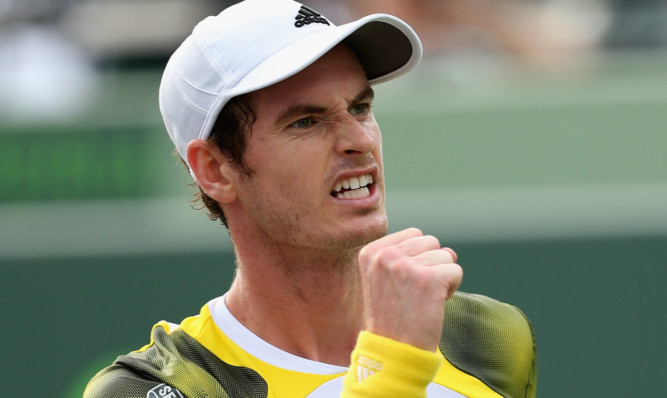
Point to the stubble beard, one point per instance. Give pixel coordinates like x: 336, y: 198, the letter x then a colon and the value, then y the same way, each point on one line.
x: 285, y: 229
x: 300, y: 246
x: 345, y: 245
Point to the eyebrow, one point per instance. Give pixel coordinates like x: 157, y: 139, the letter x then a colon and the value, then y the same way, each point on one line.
x: 302, y: 109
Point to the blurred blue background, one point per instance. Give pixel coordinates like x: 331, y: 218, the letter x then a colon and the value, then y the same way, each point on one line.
x: 532, y: 139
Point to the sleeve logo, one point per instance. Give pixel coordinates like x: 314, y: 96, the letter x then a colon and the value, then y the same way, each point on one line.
x: 367, y: 367
x: 164, y: 391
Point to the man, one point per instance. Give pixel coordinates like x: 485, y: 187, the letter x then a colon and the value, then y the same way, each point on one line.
x: 269, y: 105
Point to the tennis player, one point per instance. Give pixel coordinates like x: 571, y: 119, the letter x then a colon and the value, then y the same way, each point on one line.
x: 270, y: 107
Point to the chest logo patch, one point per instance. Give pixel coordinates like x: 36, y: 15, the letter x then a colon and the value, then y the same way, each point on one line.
x: 164, y: 391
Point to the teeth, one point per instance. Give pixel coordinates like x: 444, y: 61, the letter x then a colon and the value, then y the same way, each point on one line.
x: 354, y: 182
x: 355, y: 194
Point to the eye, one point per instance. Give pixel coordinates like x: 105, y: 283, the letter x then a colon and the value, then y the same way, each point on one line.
x: 302, y: 123
x: 359, y: 109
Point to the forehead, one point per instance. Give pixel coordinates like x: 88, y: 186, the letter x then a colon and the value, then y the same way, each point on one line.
x: 336, y: 75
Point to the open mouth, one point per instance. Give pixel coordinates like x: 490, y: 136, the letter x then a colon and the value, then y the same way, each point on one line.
x: 353, y: 187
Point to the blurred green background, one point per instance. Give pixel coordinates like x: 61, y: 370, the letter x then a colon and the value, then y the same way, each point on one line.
x: 550, y: 185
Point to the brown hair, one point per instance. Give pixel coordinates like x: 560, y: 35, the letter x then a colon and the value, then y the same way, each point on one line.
x: 230, y: 133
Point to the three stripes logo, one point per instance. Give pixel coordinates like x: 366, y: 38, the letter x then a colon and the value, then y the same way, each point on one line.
x: 307, y: 16
x: 367, y: 367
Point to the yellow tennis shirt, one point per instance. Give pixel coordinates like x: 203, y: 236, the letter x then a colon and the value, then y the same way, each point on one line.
x: 487, y: 350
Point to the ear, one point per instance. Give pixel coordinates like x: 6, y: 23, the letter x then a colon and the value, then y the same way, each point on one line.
x: 211, y: 169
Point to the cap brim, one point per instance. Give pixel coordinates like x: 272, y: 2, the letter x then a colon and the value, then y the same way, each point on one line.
x: 384, y: 44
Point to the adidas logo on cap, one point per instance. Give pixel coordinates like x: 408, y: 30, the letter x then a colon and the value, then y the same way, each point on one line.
x: 307, y: 16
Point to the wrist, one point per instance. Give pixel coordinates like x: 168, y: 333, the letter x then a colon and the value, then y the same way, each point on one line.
x: 382, y: 367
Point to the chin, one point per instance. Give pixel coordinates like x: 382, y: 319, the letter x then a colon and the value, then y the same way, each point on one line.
x: 363, y: 235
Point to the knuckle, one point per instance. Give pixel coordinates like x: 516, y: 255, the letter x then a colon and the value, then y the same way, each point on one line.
x: 457, y: 270
x: 454, y: 276
x: 388, y: 255
x: 432, y: 241
x: 406, y: 271
x: 365, y: 254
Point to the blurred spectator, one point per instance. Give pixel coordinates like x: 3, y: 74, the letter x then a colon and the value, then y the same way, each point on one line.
x: 48, y: 47
x: 35, y: 11
x: 550, y: 34
x: 119, y: 33
x: 43, y: 75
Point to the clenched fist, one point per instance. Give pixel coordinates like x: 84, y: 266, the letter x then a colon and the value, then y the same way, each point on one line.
x: 406, y: 279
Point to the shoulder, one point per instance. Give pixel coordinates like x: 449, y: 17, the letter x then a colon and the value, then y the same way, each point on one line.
x: 138, y: 374
x: 173, y: 363
x: 475, y: 311
x: 491, y: 340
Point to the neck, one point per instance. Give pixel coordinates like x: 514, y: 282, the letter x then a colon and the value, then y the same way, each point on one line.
x: 306, y: 302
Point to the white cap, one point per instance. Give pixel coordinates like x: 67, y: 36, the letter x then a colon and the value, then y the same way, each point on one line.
x: 257, y: 43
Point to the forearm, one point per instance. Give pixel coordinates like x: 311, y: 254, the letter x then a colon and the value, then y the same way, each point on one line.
x: 382, y: 368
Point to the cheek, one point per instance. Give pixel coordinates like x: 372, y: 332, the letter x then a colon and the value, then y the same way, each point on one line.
x: 374, y: 132
x: 289, y: 171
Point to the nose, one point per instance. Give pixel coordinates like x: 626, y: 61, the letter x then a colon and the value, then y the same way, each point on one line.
x: 357, y: 137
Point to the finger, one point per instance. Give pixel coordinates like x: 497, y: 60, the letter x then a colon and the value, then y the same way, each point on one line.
x: 451, y: 275
x: 451, y: 251
x: 418, y: 244
x: 393, y: 239
x: 400, y: 236
x: 435, y: 257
